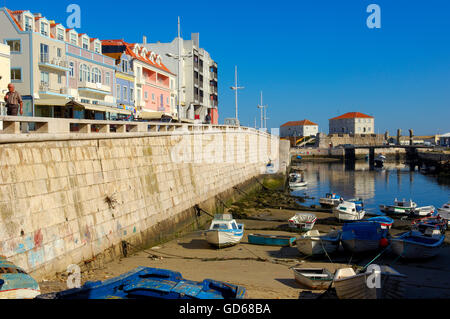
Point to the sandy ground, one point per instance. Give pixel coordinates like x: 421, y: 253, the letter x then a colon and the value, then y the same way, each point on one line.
x: 265, y: 270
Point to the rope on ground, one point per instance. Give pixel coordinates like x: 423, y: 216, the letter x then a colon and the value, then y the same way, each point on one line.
x: 376, y: 257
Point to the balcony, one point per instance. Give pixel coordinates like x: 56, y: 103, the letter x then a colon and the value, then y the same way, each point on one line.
x: 59, y: 64
x: 46, y: 90
x: 98, y: 88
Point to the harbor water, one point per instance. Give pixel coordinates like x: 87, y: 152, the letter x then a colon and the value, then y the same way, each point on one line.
x: 379, y: 186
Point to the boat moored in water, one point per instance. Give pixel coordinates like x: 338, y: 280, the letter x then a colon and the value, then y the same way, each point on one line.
x: 444, y: 211
x: 330, y: 200
x: 297, y: 180
x: 151, y: 283
x: 401, y: 208
x: 224, y: 231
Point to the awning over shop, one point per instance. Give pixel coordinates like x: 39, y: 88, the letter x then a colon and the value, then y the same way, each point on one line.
x: 99, y: 108
x: 149, y: 115
x: 51, y: 102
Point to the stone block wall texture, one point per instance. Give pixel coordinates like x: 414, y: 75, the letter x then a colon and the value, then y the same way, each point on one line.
x: 65, y: 202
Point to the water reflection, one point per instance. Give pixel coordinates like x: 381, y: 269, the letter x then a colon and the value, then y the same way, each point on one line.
x: 379, y: 186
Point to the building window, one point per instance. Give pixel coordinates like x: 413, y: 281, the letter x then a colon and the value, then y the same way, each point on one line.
x: 131, y: 94
x: 28, y: 24
x: 73, y: 38
x: 60, y: 34
x: 125, y: 66
x: 125, y: 93
x: 44, y: 78
x: 44, y: 53
x: 97, y: 48
x: 86, y: 43
x: 107, y: 78
x: 58, y: 52
x: 153, y: 96
x: 85, y: 73
x: 146, y: 96
x: 167, y: 101
x: 118, y: 91
x: 16, y: 75
x: 59, y: 79
x: 96, y: 76
x: 71, y: 67
x: 14, y: 46
x: 44, y: 30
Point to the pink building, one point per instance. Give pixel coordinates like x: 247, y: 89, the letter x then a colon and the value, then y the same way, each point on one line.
x: 153, y: 92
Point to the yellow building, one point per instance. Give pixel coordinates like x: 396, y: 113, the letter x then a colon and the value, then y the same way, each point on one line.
x: 5, y: 74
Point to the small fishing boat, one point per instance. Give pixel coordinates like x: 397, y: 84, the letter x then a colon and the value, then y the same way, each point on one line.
x: 15, y: 283
x: 426, y: 225
x: 270, y: 168
x: 415, y: 245
x: 271, y: 240
x: 379, y: 160
x: 296, y: 180
x: 224, y: 231
x: 424, y: 211
x: 313, y: 278
x: 303, y: 221
x: 444, y: 211
x: 399, y: 208
x: 349, y: 211
x: 330, y: 200
x: 144, y: 282
x: 362, y: 236
x: 313, y: 243
x: 352, y: 285
x: 385, y: 221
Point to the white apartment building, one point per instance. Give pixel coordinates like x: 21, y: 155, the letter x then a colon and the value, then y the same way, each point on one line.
x: 352, y: 123
x: 198, y: 77
x: 5, y: 74
x: 299, y: 129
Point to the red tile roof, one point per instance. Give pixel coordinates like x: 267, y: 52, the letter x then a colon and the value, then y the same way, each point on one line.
x: 298, y: 123
x: 129, y: 50
x: 11, y: 14
x: 352, y: 115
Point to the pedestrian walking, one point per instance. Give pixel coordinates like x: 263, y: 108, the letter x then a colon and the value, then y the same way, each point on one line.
x: 13, y: 101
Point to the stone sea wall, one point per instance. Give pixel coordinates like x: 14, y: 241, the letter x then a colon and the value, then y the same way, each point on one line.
x: 66, y: 202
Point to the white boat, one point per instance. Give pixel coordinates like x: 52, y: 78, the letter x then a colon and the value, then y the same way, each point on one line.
x: 224, y: 231
x: 415, y: 245
x: 400, y: 207
x: 296, y: 180
x: 313, y: 278
x: 444, y: 211
x: 313, y: 243
x: 330, y: 200
x: 424, y: 211
x: 350, y: 285
x: 270, y: 168
x: 302, y: 221
x: 379, y: 160
x: 349, y: 211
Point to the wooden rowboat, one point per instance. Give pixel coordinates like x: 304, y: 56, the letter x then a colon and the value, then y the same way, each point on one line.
x: 271, y: 240
x: 313, y: 278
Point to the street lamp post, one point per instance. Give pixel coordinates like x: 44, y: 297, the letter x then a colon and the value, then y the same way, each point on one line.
x: 261, y: 107
x: 179, y: 57
x: 236, y: 88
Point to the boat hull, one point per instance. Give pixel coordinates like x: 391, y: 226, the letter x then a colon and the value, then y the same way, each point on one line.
x: 349, y: 216
x: 223, y: 239
x: 411, y: 250
x: 312, y: 283
x: 357, y: 288
x: 329, y: 203
x: 271, y: 240
x: 21, y: 293
x: 316, y: 246
x: 360, y: 245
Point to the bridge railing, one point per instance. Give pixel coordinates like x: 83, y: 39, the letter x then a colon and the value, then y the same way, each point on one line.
x: 21, y: 126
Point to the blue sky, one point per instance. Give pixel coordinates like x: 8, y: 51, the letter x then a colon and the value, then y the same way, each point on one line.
x: 313, y: 59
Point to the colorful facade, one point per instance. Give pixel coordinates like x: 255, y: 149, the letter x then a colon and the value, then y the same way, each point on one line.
x: 152, y: 93
x: 5, y: 73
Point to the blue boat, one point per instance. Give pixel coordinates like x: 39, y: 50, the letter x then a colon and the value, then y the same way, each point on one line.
x: 144, y: 282
x: 362, y: 236
x: 385, y: 221
x: 271, y: 240
x: 415, y: 245
x: 15, y: 283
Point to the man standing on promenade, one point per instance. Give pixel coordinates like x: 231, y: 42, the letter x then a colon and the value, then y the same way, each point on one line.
x: 13, y: 101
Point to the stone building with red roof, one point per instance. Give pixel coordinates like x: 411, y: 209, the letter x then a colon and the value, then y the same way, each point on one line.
x: 299, y: 129
x: 352, y: 123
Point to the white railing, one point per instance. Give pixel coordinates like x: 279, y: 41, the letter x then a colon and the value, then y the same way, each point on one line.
x: 55, y: 128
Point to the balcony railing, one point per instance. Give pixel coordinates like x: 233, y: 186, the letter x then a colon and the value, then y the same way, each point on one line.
x: 58, y: 62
